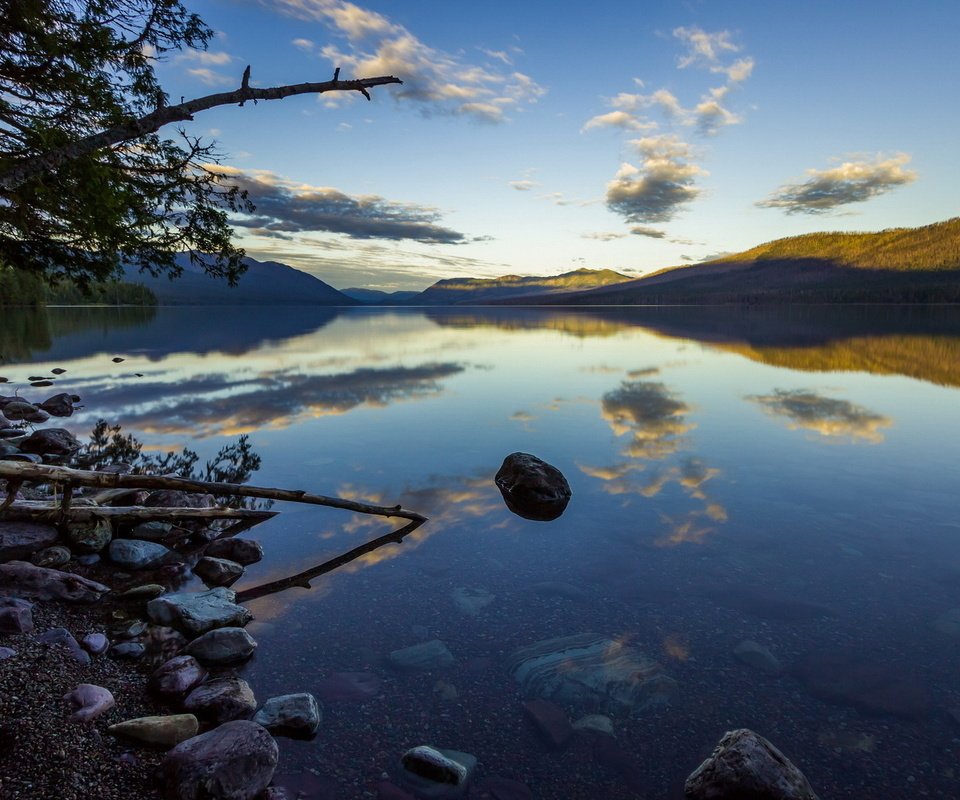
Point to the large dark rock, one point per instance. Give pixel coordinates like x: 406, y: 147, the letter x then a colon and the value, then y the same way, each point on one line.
x: 60, y: 405
x: 16, y: 615
x: 52, y: 441
x: 90, y: 537
x: 222, y: 646
x: 38, y: 583
x: 435, y: 773
x: 175, y: 678
x: 221, y: 700
x: 851, y: 678
x: 290, y: 714
x: 137, y: 554
x: 233, y: 762
x: 217, y: 571
x: 242, y: 551
x: 18, y: 410
x: 746, y: 766
x: 531, y: 488
x: 20, y: 540
x: 174, y: 498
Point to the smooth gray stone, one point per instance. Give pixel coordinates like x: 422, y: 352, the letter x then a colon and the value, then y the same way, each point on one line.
x: 243, y: 551
x: 435, y: 773
x: 16, y: 616
x: 175, y: 678
x: 757, y: 656
x: 39, y: 583
x: 153, y: 531
x: 137, y: 554
x: 222, y: 646
x: 745, y: 764
x: 127, y: 651
x: 95, y: 643
x: 61, y: 636
x: 217, y: 571
x: 89, y: 702
x: 195, y: 613
x: 294, y: 714
x: 222, y: 700
x: 20, y: 540
x: 236, y: 761
x: 424, y: 656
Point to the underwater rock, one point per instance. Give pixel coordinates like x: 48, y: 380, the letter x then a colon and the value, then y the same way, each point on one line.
x: 435, y: 773
x: 757, y: 656
x: 348, y: 687
x: 848, y: 677
x: 532, y: 488
x: 471, y: 601
x: 767, y: 605
x: 596, y: 723
x: 550, y: 722
x: 592, y: 673
x: 745, y: 764
x: 948, y: 623
x: 424, y: 656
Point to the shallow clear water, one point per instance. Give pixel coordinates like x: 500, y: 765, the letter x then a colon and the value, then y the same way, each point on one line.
x: 788, y: 476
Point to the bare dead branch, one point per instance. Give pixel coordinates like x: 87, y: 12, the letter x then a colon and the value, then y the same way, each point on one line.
x: 21, y: 171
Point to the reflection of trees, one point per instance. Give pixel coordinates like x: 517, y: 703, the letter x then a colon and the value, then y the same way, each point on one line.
x: 826, y: 416
x: 220, y: 404
x: 655, y: 420
x: 23, y: 331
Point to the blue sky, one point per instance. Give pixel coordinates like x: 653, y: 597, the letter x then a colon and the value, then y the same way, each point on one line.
x: 538, y: 138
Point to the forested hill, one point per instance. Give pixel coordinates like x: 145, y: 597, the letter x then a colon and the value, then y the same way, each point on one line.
x: 900, y: 265
x: 931, y: 247
x: 467, y: 291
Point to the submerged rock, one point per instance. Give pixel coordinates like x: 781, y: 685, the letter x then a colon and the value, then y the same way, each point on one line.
x: 592, y: 673
x: 164, y: 731
x: 436, y: 773
x: 757, y: 656
x: 235, y: 761
x: 195, y: 613
x: 744, y: 765
x: 949, y: 623
x: 596, y: 723
x: 550, y: 722
x: 349, y: 687
x: 532, y: 488
x: 472, y: 601
x: 291, y: 714
x: 424, y: 656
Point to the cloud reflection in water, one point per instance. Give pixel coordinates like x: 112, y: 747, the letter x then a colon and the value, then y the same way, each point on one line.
x: 837, y: 420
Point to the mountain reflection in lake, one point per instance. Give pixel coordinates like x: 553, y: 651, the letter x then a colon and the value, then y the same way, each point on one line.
x: 787, y: 476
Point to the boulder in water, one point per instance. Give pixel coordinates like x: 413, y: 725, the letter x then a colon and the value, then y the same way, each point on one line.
x: 532, y: 488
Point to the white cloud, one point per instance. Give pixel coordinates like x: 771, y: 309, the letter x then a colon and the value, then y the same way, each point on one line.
x: 849, y: 182
x: 303, y: 44
x: 603, y: 236
x: 439, y: 81
x: 524, y: 185
x: 205, y: 57
x: 703, y: 48
x: 618, y: 119
x: 211, y: 78
x: 664, y: 181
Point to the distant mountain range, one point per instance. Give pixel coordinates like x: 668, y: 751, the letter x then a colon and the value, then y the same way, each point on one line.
x: 264, y: 283
x: 900, y: 265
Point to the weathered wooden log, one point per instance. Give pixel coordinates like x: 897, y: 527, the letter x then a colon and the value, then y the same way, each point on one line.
x: 35, y: 511
x: 17, y: 472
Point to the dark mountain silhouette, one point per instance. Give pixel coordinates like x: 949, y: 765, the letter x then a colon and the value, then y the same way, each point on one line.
x: 264, y: 283
x: 375, y: 297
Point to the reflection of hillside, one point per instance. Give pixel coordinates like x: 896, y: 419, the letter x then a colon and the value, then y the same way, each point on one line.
x: 573, y: 323
x: 78, y: 332
x: 929, y: 358
x: 916, y: 341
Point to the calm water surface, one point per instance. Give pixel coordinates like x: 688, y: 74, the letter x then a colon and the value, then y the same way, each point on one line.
x: 787, y: 476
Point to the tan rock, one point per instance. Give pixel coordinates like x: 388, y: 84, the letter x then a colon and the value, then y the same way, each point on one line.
x: 166, y: 731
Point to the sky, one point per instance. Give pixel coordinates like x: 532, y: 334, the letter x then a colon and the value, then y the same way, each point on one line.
x: 531, y: 138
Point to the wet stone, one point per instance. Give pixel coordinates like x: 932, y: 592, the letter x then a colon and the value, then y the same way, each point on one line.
x: 221, y: 700
x: 195, y: 613
x: 757, y: 656
x: 163, y: 731
x: 435, y: 773
x: 349, y: 687
x: 550, y: 722
x: 53, y: 441
x: 127, y: 651
x: 175, y: 678
x: 223, y: 646
x: 242, y: 551
x: 90, y: 537
x: 137, y: 554
x: 290, y: 714
x: 147, y: 591
x: 217, y: 571
x: 153, y: 531
x: 95, y: 643
x: 420, y: 657
x: 19, y: 540
x: 532, y: 488
x: 472, y: 601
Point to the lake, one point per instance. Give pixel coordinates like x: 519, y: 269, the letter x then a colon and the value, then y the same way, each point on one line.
x: 782, y: 476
